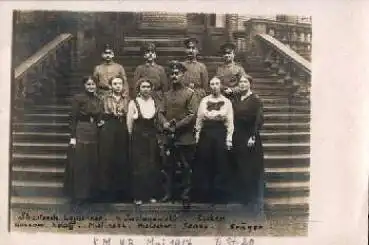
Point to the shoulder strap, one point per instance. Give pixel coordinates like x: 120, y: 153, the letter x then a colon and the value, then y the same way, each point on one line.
x: 138, y: 107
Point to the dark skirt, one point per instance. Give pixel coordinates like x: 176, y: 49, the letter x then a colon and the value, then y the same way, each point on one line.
x: 211, y: 171
x: 114, y: 171
x: 145, y: 160
x: 249, y: 162
x: 82, y: 167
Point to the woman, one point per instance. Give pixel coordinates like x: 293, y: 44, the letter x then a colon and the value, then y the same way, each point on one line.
x: 81, y: 170
x: 113, y: 150
x: 214, y: 130
x: 145, y: 158
x: 247, y: 146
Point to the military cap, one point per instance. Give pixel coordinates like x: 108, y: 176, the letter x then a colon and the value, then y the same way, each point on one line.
x: 227, y: 47
x: 191, y: 41
x: 176, y: 65
x: 148, y: 47
x: 108, y: 50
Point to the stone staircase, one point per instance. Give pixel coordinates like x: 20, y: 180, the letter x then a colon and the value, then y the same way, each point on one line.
x: 40, y: 135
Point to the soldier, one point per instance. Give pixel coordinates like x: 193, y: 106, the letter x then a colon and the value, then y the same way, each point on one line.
x: 196, y: 76
x: 229, y: 72
x: 107, y: 70
x: 154, y: 72
x: 177, y: 116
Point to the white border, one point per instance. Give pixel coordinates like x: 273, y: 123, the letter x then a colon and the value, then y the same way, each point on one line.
x: 340, y: 113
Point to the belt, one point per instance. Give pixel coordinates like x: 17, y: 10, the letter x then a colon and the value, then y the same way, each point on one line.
x: 86, y: 118
x: 112, y: 116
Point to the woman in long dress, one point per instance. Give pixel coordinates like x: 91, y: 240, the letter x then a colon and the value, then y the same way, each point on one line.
x: 113, y: 146
x: 144, y: 154
x: 214, y: 130
x: 247, y: 145
x: 81, y: 170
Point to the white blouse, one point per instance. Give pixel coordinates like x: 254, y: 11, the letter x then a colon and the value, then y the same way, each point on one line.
x: 224, y: 113
x: 147, y: 108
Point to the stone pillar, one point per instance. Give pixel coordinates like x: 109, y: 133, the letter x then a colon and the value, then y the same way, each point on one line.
x: 230, y: 26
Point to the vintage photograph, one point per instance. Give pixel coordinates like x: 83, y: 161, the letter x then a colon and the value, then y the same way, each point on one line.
x: 160, y: 123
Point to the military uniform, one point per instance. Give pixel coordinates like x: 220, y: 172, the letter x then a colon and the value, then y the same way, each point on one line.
x: 196, y: 76
x: 106, y: 71
x: 230, y: 73
x: 179, y: 108
x: 154, y: 72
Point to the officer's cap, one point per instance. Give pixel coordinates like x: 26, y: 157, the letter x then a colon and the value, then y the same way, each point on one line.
x: 227, y: 47
x: 176, y: 65
x: 191, y: 41
x: 146, y: 47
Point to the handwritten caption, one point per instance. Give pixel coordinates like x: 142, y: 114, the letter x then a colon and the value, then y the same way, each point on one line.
x: 129, y: 222
x: 172, y: 241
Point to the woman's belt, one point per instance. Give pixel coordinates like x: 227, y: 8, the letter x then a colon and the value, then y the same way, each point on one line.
x: 112, y: 116
x: 87, y: 118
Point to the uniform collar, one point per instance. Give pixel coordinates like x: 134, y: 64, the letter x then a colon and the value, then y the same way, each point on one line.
x: 150, y: 64
x: 191, y: 61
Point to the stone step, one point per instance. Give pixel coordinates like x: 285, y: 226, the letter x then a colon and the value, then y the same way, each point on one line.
x: 44, y: 117
x: 55, y: 189
x: 285, y: 127
x: 274, y: 206
x: 288, y: 189
x: 277, y: 175
x: 47, y: 173
x: 287, y: 148
x: 36, y: 148
x: 58, y: 108
x: 42, y: 127
x: 39, y: 160
x: 286, y: 117
x: 291, y: 137
x: 65, y: 117
x: 59, y: 160
x: 286, y: 160
x: 178, y: 51
x: 48, y: 137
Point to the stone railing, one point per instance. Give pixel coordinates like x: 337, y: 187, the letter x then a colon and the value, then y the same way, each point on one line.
x: 287, y: 64
x: 35, y: 78
x: 297, y: 36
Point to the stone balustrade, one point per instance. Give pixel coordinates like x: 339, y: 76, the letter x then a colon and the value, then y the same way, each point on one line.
x: 297, y: 36
x: 282, y: 61
x: 36, y: 77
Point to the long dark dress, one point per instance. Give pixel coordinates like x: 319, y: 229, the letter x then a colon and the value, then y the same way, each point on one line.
x: 248, y: 120
x: 114, y: 175
x: 212, y: 171
x: 82, y: 166
x: 145, y: 157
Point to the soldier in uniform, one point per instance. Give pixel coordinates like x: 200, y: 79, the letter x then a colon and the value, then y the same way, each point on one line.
x: 152, y: 71
x: 108, y: 70
x: 230, y: 72
x: 177, y: 116
x: 196, y: 76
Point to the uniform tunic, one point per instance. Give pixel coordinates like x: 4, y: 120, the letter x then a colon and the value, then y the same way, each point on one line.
x: 157, y: 76
x: 104, y: 72
x: 212, y: 172
x: 144, y: 149
x: 113, y: 150
x: 179, y: 104
x: 248, y: 119
x: 196, y: 77
x: 229, y: 75
x: 82, y: 167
